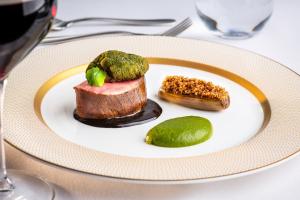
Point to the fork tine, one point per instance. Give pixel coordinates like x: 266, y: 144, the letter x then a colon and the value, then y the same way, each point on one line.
x: 179, y: 28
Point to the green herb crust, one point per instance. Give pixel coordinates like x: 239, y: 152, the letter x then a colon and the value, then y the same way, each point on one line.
x: 120, y: 66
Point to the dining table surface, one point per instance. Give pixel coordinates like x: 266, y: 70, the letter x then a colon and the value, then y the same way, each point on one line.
x: 278, y: 40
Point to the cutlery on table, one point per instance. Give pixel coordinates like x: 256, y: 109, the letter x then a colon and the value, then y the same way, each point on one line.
x: 59, y: 24
x: 173, y: 31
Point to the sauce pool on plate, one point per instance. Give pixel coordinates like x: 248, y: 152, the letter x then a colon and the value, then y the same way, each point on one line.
x: 150, y: 112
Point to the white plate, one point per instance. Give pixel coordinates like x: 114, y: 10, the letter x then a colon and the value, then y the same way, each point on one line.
x: 258, y: 130
x: 130, y: 141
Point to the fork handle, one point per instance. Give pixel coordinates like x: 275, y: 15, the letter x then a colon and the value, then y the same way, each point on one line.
x: 54, y: 40
x: 123, y: 21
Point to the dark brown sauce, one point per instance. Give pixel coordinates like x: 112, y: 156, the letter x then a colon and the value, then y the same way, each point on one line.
x: 149, y: 113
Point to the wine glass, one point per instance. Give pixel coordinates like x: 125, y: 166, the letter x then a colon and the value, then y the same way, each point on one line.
x: 24, y: 23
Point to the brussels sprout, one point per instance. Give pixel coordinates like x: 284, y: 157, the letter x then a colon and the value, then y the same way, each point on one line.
x: 95, y: 76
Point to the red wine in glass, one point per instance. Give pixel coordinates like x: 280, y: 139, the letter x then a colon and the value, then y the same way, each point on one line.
x: 23, y: 24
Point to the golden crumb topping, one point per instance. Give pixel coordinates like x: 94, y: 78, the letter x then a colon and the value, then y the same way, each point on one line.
x: 193, y: 87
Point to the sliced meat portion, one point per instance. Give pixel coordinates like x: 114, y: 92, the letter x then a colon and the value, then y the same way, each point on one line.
x: 111, y: 100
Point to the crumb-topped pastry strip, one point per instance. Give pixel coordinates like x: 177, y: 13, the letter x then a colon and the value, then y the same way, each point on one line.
x: 197, y: 93
x: 193, y: 87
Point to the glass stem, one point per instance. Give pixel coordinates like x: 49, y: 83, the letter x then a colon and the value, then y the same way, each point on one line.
x: 5, y: 183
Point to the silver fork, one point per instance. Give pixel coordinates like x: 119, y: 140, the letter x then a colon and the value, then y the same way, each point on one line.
x: 59, y: 24
x: 174, y: 31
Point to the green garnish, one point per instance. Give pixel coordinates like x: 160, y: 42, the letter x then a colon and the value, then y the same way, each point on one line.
x: 95, y: 76
x: 180, y: 132
x: 120, y: 66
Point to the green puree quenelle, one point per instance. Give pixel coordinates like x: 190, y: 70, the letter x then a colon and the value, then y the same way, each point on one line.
x: 180, y: 132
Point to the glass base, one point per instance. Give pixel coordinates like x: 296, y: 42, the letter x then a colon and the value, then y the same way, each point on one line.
x: 27, y: 187
x: 235, y: 35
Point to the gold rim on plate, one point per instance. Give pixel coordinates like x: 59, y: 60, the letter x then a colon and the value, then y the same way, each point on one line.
x: 278, y: 139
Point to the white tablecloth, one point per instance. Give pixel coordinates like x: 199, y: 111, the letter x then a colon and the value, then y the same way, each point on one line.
x: 279, y: 40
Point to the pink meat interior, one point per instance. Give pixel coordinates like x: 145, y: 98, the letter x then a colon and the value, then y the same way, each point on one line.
x: 110, y: 88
